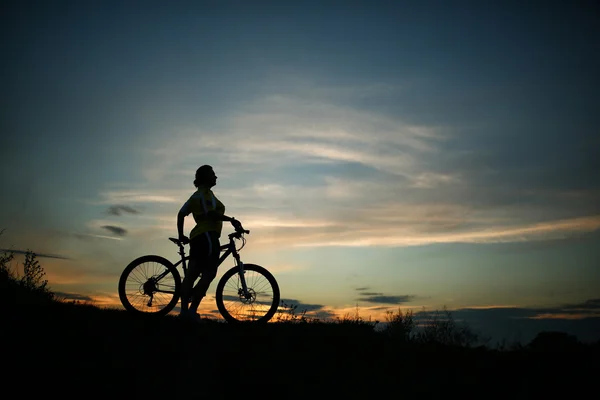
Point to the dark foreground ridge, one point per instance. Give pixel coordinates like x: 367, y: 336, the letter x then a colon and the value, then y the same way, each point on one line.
x: 54, y: 349
x: 79, y: 351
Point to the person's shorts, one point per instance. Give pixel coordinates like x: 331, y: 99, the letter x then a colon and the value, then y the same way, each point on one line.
x: 205, y: 249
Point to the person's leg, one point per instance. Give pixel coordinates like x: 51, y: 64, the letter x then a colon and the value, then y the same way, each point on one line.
x: 201, y: 287
x: 194, y: 267
x: 209, y: 272
x: 187, y: 284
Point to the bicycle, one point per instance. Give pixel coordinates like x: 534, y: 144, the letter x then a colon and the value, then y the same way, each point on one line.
x: 152, y: 285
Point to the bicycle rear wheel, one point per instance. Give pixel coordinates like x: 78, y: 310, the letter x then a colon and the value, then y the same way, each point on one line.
x: 263, y: 299
x: 150, y: 285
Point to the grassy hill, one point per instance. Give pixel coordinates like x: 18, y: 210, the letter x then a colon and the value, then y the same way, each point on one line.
x: 51, y: 348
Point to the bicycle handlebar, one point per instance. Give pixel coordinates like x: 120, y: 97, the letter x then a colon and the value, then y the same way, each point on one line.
x: 236, y: 234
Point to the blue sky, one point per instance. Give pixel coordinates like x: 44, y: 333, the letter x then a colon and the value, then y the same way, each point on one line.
x: 440, y: 153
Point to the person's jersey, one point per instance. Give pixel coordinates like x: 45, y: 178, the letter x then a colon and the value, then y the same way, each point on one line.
x: 201, y: 202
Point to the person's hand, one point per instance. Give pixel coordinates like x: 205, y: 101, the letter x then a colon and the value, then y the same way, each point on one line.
x: 184, y: 239
x: 237, y: 225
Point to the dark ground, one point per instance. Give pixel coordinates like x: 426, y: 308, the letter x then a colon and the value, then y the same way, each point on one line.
x: 75, y: 351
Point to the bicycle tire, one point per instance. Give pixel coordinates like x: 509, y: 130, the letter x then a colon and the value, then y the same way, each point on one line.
x: 223, y: 301
x: 140, y: 286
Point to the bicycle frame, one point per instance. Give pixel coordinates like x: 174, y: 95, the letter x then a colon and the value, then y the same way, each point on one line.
x: 228, y: 249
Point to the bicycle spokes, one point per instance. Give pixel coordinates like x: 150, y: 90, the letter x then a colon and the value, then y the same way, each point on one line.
x: 149, y: 286
x: 247, y: 302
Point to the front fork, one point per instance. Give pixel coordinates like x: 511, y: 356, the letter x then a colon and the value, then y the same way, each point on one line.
x: 240, y: 265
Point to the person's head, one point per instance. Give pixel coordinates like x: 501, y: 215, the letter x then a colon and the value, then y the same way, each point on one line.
x: 205, y: 176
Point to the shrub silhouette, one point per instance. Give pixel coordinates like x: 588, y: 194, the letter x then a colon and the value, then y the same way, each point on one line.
x: 30, y: 288
x: 399, y: 326
x: 287, y: 313
x: 555, y: 341
x: 440, y: 328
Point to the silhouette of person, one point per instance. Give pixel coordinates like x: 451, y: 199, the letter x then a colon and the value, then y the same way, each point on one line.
x: 209, y: 214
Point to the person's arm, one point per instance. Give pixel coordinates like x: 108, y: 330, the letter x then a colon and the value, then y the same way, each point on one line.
x: 215, y: 216
x: 180, y: 219
x: 184, y: 212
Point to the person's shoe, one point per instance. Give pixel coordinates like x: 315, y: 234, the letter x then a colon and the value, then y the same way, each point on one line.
x: 184, y: 315
x: 195, y: 317
x: 189, y: 316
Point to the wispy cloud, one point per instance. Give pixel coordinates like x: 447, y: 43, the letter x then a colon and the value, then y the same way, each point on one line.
x: 118, y: 210
x: 117, y: 230
x: 302, y: 306
x: 73, y: 296
x: 387, y: 236
x: 86, y: 236
x: 279, y: 130
x: 326, y: 216
x: 592, y: 304
x: 379, y: 298
x: 298, y: 307
x: 38, y: 255
x: 127, y: 197
x: 302, y: 170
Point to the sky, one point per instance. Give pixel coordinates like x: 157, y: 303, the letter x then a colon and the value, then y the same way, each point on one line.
x: 384, y: 155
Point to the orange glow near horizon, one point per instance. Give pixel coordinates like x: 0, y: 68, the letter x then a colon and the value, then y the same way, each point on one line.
x: 565, y: 316
x: 379, y: 313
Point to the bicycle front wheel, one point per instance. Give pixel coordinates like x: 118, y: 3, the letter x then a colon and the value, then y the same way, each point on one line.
x: 150, y: 285
x: 258, y: 305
